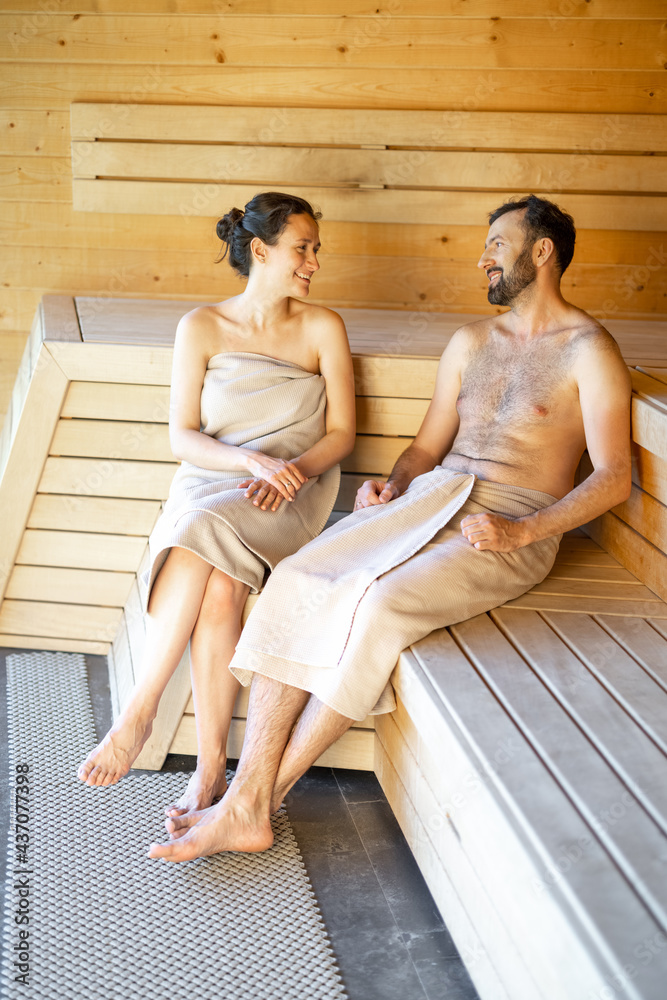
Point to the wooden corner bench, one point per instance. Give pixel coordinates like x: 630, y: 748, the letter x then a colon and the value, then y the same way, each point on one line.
x: 526, y: 759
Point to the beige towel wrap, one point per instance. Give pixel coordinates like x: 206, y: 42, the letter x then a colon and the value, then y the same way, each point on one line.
x: 335, y: 616
x: 267, y: 405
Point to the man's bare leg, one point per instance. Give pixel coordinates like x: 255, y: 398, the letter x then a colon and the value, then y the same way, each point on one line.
x: 214, y: 689
x: 317, y: 728
x: 241, y: 821
x: 173, y: 609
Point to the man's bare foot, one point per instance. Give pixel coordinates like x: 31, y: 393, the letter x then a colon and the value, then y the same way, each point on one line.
x: 114, y: 756
x: 227, y: 826
x: 206, y: 787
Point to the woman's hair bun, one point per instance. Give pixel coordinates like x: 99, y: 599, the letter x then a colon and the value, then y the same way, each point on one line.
x: 228, y: 223
x: 265, y: 217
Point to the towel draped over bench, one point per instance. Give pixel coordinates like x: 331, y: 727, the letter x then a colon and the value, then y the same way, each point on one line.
x: 267, y: 405
x: 335, y: 616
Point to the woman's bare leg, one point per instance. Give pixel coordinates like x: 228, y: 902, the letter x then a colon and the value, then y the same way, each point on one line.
x: 174, y: 605
x: 214, y: 689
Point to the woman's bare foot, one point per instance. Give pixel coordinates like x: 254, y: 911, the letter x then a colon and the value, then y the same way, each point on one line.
x: 231, y: 825
x: 114, y: 756
x: 206, y: 787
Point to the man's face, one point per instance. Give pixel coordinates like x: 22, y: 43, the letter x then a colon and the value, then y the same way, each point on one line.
x: 507, y: 260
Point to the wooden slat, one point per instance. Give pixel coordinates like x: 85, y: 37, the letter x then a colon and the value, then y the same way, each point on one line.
x: 106, y: 478
x: 121, y: 679
x: 97, y: 514
x: 514, y: 820
x: 506, y: 90
x: 332, y: 41
x: 110, y: 363
x: 447, y: 208
x: 64, y: 621
x: 637, y: 692
x: 399, y: 377
x: 80, y: 550
x: 649, y: 388
x: 110, y: 401
x: 117, y: 439
x: 352, y: 167
x: 614, y: 734
x: 659, y: 374
x: 646, y: 515
x: 374, y: 455
x: 549, y: 9
x: 642, y: 642
x: 644, y: 560
x: 649, y: 472
x: 583, y: 589
x: 27, y: 224
x: 377, y: 415
x: 589, y: 605
x: 636, y: 841
x: 25, y: 447
x: 603, y: 573
x: 355, y: 749
x: 649, y: 427
x: 47, y: 642
x: 71, y: 586
x: 354, y: 126
x: 60, y: 319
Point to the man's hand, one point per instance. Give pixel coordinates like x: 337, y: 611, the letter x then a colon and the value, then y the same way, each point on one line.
x: 374, y: 492
x: 493, y: 532
x: 265, y: 494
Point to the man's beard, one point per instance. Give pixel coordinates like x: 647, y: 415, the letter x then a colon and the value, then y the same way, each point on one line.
x: 523, y: 273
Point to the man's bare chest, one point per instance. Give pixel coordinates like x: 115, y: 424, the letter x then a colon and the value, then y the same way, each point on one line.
x: 518, y: 386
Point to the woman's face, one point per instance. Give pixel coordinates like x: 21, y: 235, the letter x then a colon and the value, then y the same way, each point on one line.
x: 293, y: 259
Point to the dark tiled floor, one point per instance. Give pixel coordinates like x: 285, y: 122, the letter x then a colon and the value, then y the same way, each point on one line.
x: 385, y: 929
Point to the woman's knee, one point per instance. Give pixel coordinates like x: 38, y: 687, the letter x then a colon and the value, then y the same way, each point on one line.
x: 223, y: 597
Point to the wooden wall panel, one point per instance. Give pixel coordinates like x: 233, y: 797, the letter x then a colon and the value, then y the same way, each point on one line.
x: 591, y: 76
x: 331, y: 41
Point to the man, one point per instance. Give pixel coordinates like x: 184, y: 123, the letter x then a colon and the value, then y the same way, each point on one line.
x: 517, y: 399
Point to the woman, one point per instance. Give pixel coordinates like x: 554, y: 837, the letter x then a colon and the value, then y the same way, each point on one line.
x: 258, y: 479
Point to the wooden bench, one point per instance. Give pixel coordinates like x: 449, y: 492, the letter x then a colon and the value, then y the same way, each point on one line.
x: 526, y: 759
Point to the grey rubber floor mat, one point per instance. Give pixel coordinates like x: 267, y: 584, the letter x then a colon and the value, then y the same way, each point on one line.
x: 103, y: 922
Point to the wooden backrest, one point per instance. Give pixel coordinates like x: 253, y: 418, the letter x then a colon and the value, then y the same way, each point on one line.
x: 635, y: 532
x: 88, y: 461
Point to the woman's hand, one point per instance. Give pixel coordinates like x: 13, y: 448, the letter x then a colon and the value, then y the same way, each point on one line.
x: 284, y: 477
x: 265, y: 494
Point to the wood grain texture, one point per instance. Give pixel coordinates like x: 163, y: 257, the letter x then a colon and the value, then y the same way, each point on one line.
x: 25, y: 447
x: 644, y: 560
x: 508, y: 90
x: 591, y: 211
x: 62, y: 621
x: 351, y: 43
x: 549, y: 9
x: 344, y: 167
x: 64, y: 512
x: 355, y: 749
x: 354, y: 126
x: 27, y: 224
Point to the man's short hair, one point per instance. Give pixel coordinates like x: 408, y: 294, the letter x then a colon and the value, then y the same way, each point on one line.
x: 543, y: 218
